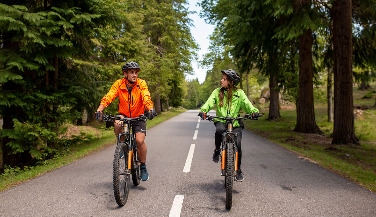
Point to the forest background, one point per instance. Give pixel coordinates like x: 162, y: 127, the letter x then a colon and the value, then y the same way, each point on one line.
x: 59, y: 58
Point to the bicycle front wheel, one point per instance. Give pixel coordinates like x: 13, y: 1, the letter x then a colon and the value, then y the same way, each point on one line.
x: 229, y: 175
x: 121, y: 175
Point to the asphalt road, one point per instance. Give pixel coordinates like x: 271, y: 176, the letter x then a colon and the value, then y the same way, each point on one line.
x: 185, y: 182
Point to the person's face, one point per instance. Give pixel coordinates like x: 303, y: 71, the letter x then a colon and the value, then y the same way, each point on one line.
x: 131, y: 75
x: 224, y: 81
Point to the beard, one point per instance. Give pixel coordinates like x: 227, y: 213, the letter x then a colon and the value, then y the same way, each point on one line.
x: 131, y: 80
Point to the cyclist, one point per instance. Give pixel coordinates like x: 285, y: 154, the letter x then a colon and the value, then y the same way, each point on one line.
x: 134, y: 100
x: 228, y: 101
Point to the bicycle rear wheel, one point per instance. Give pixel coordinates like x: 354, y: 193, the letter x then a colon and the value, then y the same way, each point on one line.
x: 136, y: 170
x: 121, y: 175
x: 229, y: 176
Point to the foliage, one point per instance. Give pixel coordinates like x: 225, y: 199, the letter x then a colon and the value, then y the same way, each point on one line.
x: 267, y: 35
x: 172, y: 48
x: 191, y: 99
x: 59, y: 58
x: 44, y: 87
x: 31, y: 138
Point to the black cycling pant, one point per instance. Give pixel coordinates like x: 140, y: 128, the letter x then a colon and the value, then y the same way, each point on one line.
x: 219, y: 129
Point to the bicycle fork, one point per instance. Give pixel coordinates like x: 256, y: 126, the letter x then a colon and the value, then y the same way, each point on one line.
x: 223, y: 162
x: 130, y: 157
x: 223, y: 155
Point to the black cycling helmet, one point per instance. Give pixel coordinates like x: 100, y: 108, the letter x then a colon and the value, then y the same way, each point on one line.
x: 232, y: 75
x: 131, y: 65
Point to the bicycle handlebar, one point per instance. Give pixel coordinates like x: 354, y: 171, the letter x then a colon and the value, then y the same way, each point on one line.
x: 110, y: 118
x: 254, y: 116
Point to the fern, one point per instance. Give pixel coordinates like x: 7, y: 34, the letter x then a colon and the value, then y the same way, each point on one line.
x: 8, y: 76
x: 31, y: 138
x: 33, y: 17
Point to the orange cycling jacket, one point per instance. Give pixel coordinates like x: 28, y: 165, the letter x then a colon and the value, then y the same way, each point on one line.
x: 133, y: 102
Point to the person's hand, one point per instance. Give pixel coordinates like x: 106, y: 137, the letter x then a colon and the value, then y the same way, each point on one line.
x: 151, y: 114
x: 98, y: 115
x: 202, y: 115
x: 255, y: 116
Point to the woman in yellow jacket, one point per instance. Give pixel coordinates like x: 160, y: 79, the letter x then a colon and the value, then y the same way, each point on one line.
x: 134, y: 99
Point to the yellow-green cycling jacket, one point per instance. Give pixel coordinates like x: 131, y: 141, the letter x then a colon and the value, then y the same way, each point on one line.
x: 239, y: 101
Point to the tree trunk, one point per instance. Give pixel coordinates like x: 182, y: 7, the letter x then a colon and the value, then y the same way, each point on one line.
x: 157, y: 103
x: 329, y: 95
x: 167, y: 105
x: 343, y: 130
x: 306, y: 122
x: 274, y: 113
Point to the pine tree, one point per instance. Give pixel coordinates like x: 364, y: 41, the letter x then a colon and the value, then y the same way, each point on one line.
x: 344, y: 130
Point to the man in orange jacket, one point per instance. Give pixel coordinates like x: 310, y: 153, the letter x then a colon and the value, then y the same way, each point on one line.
x: 134, y: 99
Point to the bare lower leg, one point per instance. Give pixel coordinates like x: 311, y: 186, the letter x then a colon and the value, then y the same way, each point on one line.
x: 142, y: 151
x: 117, y: 128
x: 141, y: 146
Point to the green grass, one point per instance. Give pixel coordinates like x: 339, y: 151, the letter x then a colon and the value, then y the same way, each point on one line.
x: 15, y: 176
x: 357, y: 163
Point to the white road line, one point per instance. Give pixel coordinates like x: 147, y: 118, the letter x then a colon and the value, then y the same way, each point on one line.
x: 178, y: 200
x: 176, y: 206
x: 188, y: 162
x: 195, y: 135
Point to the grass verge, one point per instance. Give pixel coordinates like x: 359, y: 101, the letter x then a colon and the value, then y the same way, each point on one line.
x: 15, y: 176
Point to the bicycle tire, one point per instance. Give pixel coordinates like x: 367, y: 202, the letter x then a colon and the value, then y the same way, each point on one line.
x: 136, y: 170
x: 121, y: 175
x: 229, y: 176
